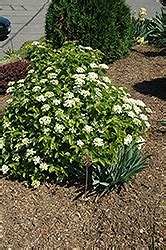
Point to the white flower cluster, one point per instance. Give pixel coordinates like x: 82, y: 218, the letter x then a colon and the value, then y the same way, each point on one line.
x: 80, y: 70
x: 45, y: 107
x: 49, y: 94
x: 5, y: 169
x: 56, y: 101
x: 36, y: 88
x: 88, y: 128
x: 59, y: 128
x: 98, y: 142
x: 10, y: 90
x: 70, y: 100
x: 92, y: 76
x: 45, y: 120
x: 52, y: 75
x: 30, y: 152
x: 41, y: 98
x: 128, y: 140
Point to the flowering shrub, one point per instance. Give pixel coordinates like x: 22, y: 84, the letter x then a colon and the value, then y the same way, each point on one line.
x: 12, y: 72
x: 67, y: 116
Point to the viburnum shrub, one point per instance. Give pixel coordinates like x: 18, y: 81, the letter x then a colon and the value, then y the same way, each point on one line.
x: 12, y: 72
x: 67, y: 116
x: 101, y: 24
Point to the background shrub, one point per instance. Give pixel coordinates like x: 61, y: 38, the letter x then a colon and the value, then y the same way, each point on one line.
x: 104, y: 25
x: 67, y: 116
x: 12, y: 72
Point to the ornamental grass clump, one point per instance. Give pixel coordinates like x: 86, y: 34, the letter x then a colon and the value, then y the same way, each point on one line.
x: 67, y: 117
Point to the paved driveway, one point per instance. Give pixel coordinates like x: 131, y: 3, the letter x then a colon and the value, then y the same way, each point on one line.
x: 28, y: 18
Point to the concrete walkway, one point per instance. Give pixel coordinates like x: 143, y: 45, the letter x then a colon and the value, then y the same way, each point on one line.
x: 28, y: 18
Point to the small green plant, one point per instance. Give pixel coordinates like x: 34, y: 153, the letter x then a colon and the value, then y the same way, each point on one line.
x: 66, y: 115
x: 104, y: 25
x: 129, y: 163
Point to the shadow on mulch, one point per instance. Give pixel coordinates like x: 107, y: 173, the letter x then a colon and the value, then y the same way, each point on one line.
x: 155, y: 87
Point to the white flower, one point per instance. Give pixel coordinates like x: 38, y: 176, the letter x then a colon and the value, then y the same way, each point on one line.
x: 35, y: 183
x: 79, y: 82
x: 80, y: 143
x: 131, y: 114
x: 45, y: 120
x: 54, y: 82
x: 106, y: 79
x: 36, y: 160
x: 85, y: 92
x: 16, y: 158
x: 52, y: 75
x: 35, y: 43
x: 98, y: 142
x: 127, y: 106
x: 147, y: 124
x: 92, y: 76
x: 137, y: 121
x: 1, y: 143
x: 10, y: 90
x: 103, y: 66
x: 79, y: 76
x: 43, y: 80
x: 43, y: 166
x: 31, y: 71
x: 68, y: 95
x: 40, y: 98
x: 49, y: 69
x: 7, y: 124
x: 46, y: 130
x: 56, y: 102
x: 5, y: 169
x: 137, y: 109
x: 88, y: 128
x: 140, y: 103
x: 88, y: 48
x: 69, y: 103
x: 149, y: 111
x: 21, y: 81
x: 45, y: 107
x: 30, y: 152
x: 49, y: 94
x: 25, y: 141
x: 143, y: 117
x: 93, y: 65
x: 117, y: 109
x: 141, y: 141
x: 59, y: 128
x: 127, y: 139
x: 36, y: 88
x: 80, y: 70
x: 11, y: 83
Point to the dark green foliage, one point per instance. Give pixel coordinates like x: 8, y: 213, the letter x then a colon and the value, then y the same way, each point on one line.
x: 101, y: 24
x: 130, y: 162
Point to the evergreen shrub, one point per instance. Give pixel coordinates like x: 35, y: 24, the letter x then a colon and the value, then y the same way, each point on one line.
x: 66, y: 116
x: 101, y: 24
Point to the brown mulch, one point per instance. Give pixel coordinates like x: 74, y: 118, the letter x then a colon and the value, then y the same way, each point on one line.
x: 53, y: 218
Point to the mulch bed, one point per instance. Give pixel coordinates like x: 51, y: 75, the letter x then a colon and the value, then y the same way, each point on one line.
x: 53, y: 217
